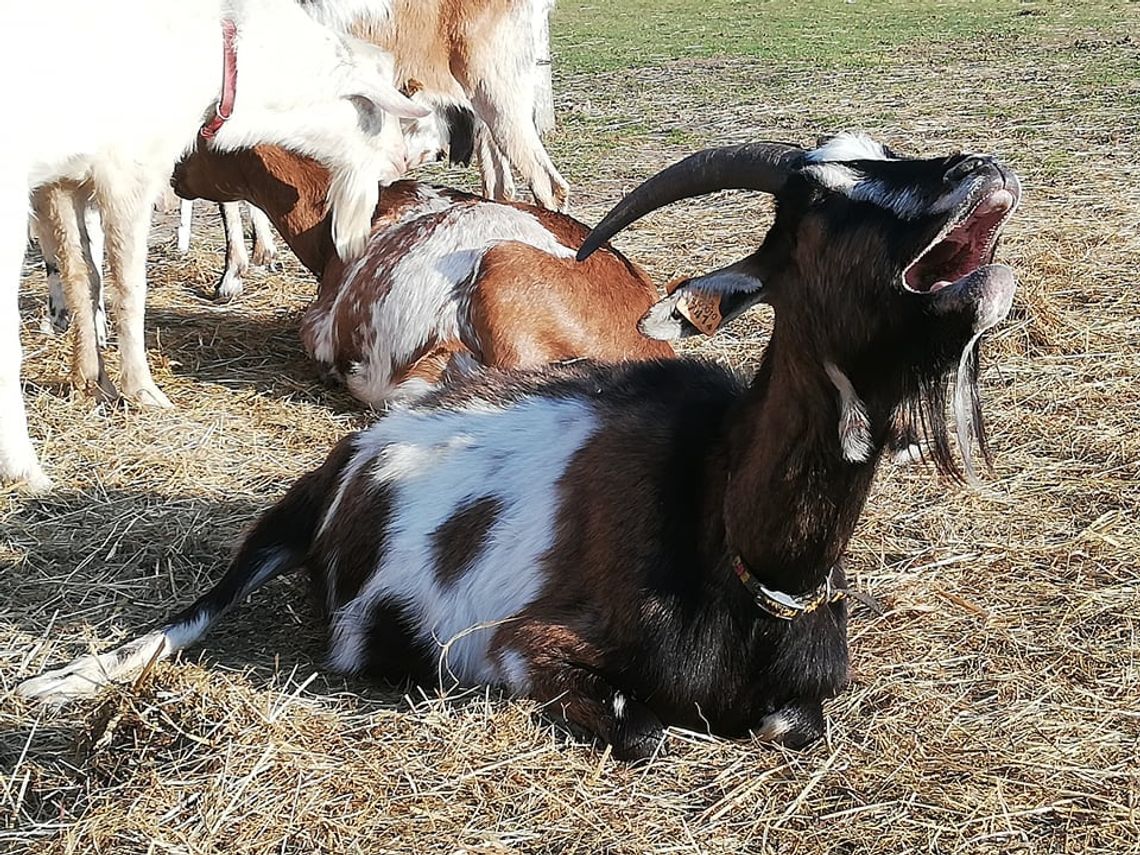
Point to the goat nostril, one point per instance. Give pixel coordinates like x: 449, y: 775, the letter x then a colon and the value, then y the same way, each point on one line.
x: 968, y: 165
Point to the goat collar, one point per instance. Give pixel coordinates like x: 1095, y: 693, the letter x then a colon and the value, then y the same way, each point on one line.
x: 786, y: 606
x: 225, y: 106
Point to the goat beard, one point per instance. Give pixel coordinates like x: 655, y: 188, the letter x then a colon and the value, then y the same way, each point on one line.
x: 928, y: 416
x: 352, y: 198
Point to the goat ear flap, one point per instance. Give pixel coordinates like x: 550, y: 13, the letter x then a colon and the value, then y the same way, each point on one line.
x: 705, y: 304
x: 392, y: 101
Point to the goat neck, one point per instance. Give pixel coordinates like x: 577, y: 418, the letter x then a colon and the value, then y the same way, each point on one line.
x: 791, y: 501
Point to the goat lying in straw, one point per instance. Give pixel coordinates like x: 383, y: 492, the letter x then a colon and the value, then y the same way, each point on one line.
x: 446, y: 278
x: 654, y: 543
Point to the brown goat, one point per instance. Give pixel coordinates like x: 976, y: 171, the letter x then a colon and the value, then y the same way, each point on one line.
x: 446, y: 277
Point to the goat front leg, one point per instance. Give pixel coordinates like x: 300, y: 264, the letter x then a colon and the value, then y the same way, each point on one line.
x: 17, y: 456
x: 61, y: 212
x: 185, y: 223
x: 264, y: 248
x: 126, y: 221
x: 554, y: 665
x: 237, y: 261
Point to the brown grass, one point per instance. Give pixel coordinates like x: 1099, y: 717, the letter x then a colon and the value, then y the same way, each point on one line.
x: 995, y: 705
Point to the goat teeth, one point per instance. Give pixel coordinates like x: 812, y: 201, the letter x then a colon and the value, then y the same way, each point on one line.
x: 999, y: 200
x: 939, y: 285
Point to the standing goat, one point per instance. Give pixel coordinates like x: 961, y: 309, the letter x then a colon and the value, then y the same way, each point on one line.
x: 482, y: 53
x: 300, y: 85
x: 457, y: 54
x: 446, y: 277
x: 655, y: 543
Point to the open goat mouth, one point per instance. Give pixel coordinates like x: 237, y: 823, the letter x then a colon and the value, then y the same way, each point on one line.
x: 965, y: 245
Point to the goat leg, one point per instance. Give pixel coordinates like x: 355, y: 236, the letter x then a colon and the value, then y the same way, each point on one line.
x: 264, y: 249
x: 62, y: 211
x: 556, y: 666
x: 237, y: 260
x: 126, y: 221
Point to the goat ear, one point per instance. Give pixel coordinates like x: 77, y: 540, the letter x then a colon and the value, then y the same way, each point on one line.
x: 391, y: 101
x: 704, y: 304
x: 836, y: 177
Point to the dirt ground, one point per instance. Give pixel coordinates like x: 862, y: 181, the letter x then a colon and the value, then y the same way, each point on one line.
x: 995, y: 705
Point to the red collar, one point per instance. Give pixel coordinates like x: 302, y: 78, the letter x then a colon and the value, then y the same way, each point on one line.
x: 225, y: 106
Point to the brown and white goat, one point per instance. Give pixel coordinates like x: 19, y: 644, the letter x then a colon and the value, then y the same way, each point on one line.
x: 655, y: 543
x: 446, y: 277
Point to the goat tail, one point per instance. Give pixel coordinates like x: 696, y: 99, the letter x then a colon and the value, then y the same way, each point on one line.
x: 278, y: 543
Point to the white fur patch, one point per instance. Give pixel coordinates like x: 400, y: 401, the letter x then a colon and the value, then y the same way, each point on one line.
x: 619, y: 706
x: 848, y: 146
x: 86, y: 675
x: 774, y: 726
x: 435, y: 462
x: 514, y: 673
x: 854, y: 424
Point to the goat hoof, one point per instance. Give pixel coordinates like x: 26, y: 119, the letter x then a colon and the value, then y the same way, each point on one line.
x: 60, y: 321
x: 908, y: 454
x: 229, y: 288
x: 637, y: 731
x: 149, y: 396
x: 81, y: 679
x: 796, y: 725
x: 101, y: 389
x: 265, y: 259
x: 30, y: 475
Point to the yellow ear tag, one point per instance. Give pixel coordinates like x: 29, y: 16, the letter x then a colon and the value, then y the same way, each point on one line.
x: 701, y: 310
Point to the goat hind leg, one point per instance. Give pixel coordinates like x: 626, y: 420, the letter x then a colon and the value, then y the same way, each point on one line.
x: 58, y: 314
x: 494, y: 170
x: 237, y: 261
x: 126, y: 221
x: 511, y: 122
x: 264, y: 248
x: 91, y: 228
x: 61, y: 213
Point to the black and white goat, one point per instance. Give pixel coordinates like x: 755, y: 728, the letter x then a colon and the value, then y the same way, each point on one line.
x: 655, y: 543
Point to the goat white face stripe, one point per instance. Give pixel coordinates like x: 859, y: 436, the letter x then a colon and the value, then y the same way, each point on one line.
x: 902, y: 202
x: 848, y: 147
x: 523, y: 451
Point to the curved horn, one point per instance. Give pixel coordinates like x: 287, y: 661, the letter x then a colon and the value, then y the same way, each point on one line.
x: 751, y: 166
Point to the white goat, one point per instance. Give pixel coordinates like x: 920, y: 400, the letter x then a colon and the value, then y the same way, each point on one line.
x: 470, y: 52
x: 153, y: 71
